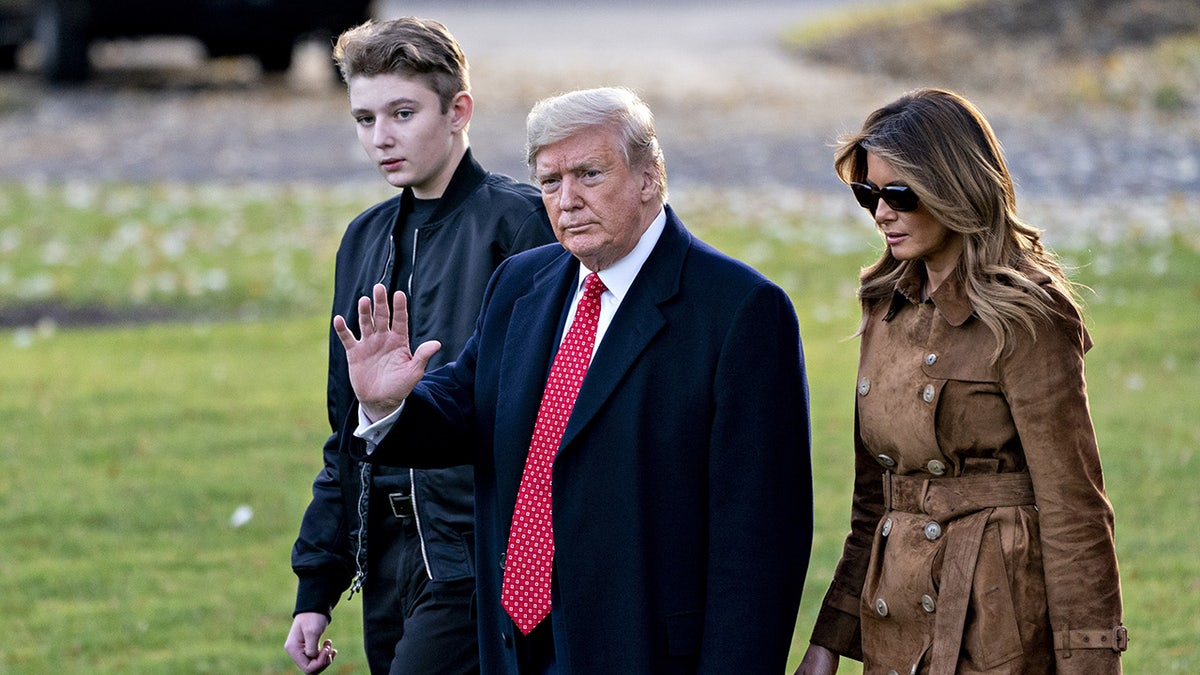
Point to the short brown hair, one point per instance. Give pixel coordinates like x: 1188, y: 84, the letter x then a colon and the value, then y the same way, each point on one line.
x: 408, y: 46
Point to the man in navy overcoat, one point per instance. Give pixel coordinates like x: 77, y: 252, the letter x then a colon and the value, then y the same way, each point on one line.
x: 682, y: 488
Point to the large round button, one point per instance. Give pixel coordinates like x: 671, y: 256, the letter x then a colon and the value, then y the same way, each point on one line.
x: 932, y: 530
x: 927, y: 393
x: 936, y: 467
x: 864, y: 386
x: 887, y: 527
x: 927, y: 604
x: 881, y: 607
x: 885, y: 460
x: 931, y: 359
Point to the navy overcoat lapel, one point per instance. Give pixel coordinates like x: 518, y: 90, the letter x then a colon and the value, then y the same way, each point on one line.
x: 635, y: 324
x: 528, y: 346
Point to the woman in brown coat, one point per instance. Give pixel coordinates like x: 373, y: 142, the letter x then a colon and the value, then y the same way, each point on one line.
x: 981, y: 538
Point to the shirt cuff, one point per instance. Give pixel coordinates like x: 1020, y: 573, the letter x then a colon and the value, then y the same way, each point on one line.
x: 373, y: 432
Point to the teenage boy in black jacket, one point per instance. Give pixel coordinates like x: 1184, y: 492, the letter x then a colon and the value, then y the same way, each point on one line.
x: 405, y: 537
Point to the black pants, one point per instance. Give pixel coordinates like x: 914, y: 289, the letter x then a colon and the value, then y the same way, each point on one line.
x: 412, y: 625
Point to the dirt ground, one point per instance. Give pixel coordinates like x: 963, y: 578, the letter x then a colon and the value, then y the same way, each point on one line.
x: 733, y: 107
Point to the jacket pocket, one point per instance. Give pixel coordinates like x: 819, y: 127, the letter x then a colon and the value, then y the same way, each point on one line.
x: 461, y: 564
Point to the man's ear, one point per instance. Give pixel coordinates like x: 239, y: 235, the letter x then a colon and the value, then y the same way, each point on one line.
x: 461, y: 108
x: 650, y: 187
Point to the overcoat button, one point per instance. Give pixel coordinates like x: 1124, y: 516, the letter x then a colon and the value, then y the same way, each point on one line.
x: 932, y: 530
x: 887, y: 527
x: 927, y: 393
x: 881, y: 607
x: 885, y: 460
x: 864, y: 386
x: 931, y: 359
x: 936, y: 467
x: 927, y: 604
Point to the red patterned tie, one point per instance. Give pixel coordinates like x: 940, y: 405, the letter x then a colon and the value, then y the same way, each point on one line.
x: 529, y: 561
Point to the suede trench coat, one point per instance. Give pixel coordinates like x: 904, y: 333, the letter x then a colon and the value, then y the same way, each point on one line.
x: 981, y: 537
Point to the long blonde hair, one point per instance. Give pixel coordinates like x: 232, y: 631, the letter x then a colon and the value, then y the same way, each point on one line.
x: 942, y: 147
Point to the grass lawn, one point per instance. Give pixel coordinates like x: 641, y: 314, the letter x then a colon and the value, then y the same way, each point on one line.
x: 125, y: 450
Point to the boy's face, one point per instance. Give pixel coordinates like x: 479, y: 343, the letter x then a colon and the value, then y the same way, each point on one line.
x: 405, y: 133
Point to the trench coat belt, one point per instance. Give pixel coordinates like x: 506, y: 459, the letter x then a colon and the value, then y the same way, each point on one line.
x: 946, y: 499
x: 969, y: 502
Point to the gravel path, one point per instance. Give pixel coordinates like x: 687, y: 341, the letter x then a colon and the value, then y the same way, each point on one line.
x: 732, y: 108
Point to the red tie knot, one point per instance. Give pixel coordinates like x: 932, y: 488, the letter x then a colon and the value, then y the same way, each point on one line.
x: 593, y: 286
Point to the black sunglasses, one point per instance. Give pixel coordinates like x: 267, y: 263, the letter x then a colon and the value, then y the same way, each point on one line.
x: 898, y: 197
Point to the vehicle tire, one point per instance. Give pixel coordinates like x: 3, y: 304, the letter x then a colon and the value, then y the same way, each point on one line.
x: 8, y: 58
x: 275, y: 54
x: 62, y: 32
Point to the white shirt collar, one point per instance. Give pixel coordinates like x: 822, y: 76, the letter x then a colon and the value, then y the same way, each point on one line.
x: 620, y: 275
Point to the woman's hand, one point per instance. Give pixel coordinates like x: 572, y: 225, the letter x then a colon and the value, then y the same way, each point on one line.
x: 818, y: 661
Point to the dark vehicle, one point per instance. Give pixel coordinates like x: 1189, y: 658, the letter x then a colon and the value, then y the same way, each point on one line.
x: 267, y: 29
x: 16, y: 28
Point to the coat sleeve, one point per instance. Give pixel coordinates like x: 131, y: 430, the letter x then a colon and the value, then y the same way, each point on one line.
x: 838, y: 626
x: 760, y: 509
x: 436, y: 428
x: 1043, y: 382
x: 321, y: 556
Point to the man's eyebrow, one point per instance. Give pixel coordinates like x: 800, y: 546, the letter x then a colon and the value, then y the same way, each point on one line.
x: 573, y: 168
x: 403, y: 100
x: 586, y: 164
x: 596, y: 162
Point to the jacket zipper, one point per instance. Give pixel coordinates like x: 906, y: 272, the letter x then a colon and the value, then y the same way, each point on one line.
x: 364, y: 492
x: 386, y: 277
x: 412, y: 474
x: 412, y: 478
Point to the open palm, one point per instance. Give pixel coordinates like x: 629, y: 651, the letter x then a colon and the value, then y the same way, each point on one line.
x: 383, y: 369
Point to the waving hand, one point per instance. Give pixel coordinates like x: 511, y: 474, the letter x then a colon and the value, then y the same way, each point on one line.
x: 383, y: 370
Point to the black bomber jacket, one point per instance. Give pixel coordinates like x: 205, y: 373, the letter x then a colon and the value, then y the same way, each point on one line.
x: 481, y: 219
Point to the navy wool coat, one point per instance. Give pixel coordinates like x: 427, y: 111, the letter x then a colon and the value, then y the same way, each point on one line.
x: 682, y: 491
